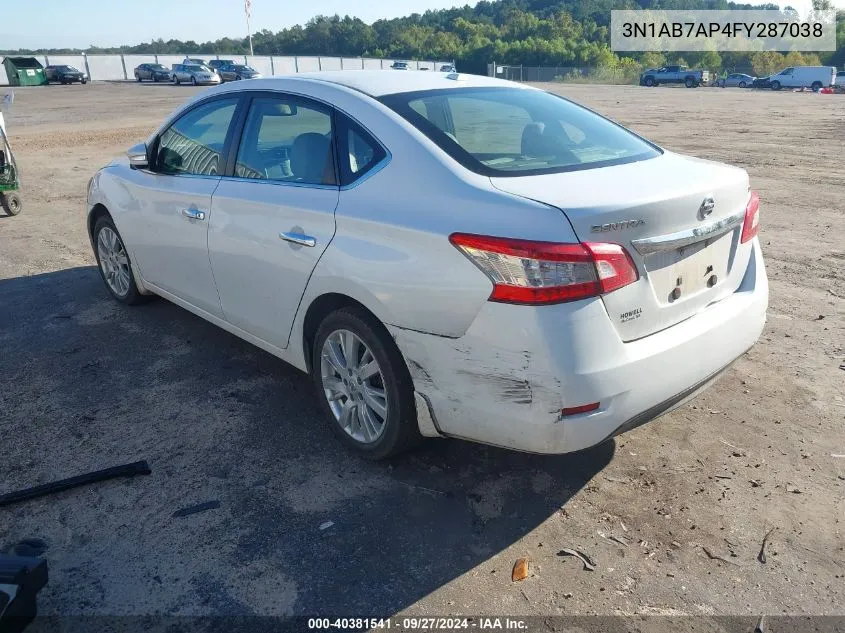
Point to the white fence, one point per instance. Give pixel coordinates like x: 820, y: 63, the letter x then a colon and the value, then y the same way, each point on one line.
x: 120, y: 67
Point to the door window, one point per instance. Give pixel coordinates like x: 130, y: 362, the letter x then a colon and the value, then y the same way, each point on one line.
x: 287, y: 140
x: 194, y: 144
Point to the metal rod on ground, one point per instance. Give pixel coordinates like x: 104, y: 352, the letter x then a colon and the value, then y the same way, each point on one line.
x: 126, y: 470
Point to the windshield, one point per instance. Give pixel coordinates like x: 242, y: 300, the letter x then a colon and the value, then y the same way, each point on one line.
x: 195, y: 68
x: 517, y: 131
x: 156, y: 67
x: 242, y: 68
x: 67, y: 69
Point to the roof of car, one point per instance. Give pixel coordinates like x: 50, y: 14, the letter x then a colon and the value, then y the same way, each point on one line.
x: 383, y: 82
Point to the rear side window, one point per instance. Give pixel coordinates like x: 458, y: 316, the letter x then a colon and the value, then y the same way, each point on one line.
x: 517, y: 131
x: 194, y: 143
x: 358, y: 151
x: 288, y: 140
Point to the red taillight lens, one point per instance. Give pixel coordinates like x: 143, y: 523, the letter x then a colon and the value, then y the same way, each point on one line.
x: 528, y: 272
x: 752, y: 219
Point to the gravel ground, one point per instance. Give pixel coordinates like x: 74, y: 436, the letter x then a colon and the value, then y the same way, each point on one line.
x: 89, y: 383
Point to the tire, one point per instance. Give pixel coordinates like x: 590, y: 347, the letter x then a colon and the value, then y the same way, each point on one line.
x: 399, y: 431
x: 775, y: 85
x: 138, y: 78
x: 238, y: 77
x: 689, y: 82
x: 817, y: 85
x: 84, y: 81
x: 155, y: 79
x: 742, y: 84
x: 193, y: 81
x: 130, y: 296
x: 176, y: 80
x: 649, y: 81
x: 11, y: 203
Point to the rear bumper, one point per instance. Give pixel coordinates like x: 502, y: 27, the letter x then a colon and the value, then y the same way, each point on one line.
x: 505, y: 381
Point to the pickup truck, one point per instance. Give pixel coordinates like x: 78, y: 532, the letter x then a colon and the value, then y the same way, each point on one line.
x: 675, y: 75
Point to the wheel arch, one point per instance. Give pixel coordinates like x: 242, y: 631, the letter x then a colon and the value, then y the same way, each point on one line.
x: 98, y: 211
x: 319, y: 309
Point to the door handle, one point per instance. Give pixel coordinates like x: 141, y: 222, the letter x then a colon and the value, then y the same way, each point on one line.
x: 193, y: 214
x: 298, y: 238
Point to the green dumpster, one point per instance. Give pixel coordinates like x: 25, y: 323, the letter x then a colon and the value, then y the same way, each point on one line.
x: 24, y: 71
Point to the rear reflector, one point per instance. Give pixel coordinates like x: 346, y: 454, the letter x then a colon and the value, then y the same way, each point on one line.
x: 752, y: 219
x: 584, y: 408
x: 534, y: 273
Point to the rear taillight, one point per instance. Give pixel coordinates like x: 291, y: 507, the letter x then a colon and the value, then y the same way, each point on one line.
x: 752, y: 219
x: 528, y: 272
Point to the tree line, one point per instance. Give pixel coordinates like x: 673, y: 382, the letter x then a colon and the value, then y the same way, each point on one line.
x: 561, y: 33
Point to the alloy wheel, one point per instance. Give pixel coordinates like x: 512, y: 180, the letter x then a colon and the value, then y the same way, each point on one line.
x: 354, y: 386
x: 113, y: 261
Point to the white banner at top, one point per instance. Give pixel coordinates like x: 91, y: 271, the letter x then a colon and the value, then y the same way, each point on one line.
x: 756, y: 30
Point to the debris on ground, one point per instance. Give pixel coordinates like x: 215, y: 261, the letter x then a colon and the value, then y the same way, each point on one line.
x: 520, y: 570
x: 326, y: 525
x: 126, y: 470
x: 196, y: 509
x: 762, y: 555
x: 794, y: 490
x: 713, y: 556
x: 589, y: 565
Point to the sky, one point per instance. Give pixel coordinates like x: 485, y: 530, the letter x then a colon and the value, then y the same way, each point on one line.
x: 79, y: 23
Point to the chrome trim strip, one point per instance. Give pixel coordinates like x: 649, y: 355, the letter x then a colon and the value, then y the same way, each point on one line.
x: 674, y: 241
x: 278, y: 183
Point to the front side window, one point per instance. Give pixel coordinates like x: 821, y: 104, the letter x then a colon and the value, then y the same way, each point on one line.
x: 787, y: 71
x: 516, y: 131
x: 287, y: 140
x: 194, y: 143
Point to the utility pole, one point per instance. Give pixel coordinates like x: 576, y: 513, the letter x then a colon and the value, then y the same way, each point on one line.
x: 248, y: 11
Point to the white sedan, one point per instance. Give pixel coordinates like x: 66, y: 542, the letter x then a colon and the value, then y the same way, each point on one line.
x: 446, y: 255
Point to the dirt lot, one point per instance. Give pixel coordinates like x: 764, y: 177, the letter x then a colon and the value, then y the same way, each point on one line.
x: 88, y: 384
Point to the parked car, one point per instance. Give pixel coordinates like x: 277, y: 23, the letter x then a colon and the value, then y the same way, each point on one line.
x: 151, y: 72
x: 840, y: 81
x: 675, y: 75
x: 400, y: 66
x: 236, y: 72
x: 736, y: 80
x: 65, y: 74
x: 551, y: 313
x: 215, y: 64
x: 448, y: 68
x: 193, y: 74
x: 815, y: 77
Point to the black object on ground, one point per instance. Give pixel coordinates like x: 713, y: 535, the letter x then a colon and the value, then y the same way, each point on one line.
x: 127, y: 470
x: 762, y: 555
x: 21, y: 578
x: 200, y: 507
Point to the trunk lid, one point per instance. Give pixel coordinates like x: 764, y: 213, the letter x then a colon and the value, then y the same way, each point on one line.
x: 680, y: 219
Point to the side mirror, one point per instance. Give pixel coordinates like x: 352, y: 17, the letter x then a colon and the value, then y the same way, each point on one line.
x: 138, y: 156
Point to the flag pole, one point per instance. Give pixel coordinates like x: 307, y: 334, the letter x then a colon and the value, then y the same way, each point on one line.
x: 248, y: 11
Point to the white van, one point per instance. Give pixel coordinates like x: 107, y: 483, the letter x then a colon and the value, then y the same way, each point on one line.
x: 815, y: 77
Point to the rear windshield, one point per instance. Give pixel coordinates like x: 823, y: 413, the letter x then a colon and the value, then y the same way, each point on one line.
x: 518, y: 132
